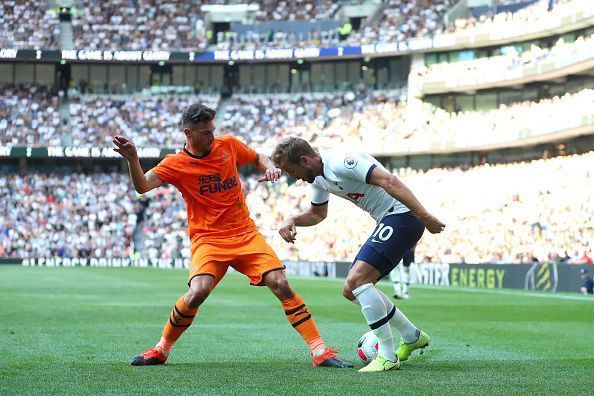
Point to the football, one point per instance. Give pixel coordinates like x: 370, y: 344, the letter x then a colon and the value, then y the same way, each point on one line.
x: 367, y: 347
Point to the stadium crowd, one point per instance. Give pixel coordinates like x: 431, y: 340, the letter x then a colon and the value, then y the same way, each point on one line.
x: 150, y: 121
x: 29, y: 116
x: 527, y: 19
x: 181, y: 25
x: 403, y: 19
x: 275, y: 10
x: 67, y: 215
x: 496, y: 67
x: 505, y: 213
x: 140, y: 25
x: 263, y: 120
x: 383, y: 123
x: 508, y: 213
x: 28, y: 24
x: 164, y: 231
x: 379, y: 120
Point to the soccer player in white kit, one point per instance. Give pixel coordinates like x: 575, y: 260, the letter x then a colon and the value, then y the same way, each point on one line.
x: 401, y: 220
x: 400, y: 276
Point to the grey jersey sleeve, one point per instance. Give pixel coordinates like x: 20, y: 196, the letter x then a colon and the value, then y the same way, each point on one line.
x: 354, y: 167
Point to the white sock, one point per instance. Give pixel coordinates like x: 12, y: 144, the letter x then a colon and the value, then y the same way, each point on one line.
x: 400, y: 322
x: 395, y: 278
x: 374, y: 311
x: 405, y: 279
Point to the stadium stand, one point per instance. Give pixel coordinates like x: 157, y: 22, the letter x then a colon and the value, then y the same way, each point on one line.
x: 380, y: 120
x: 181, y: 25
x: 404, y: 19
x: 541, y: 213
x: 149, y: 120
x: 280, y: 10
x: 498, y: 218
x: 472, y: 70
x: 29, y: 115
x: 28, y: 24
x: 67, y: 215
x: 113, y: 24
x: 263, y: 120
x: 163, y: 232
x: 528, y: 18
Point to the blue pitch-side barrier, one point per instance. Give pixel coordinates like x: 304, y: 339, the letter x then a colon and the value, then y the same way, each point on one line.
x: 546, y: 277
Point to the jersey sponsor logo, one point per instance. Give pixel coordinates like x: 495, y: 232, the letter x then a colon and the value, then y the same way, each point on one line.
x: 355, y: 197
x: 213, y: 184
x: 382, y: 232
x: 205, y: 179
x: 350, y: 162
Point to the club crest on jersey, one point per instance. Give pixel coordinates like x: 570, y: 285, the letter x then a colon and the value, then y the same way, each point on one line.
x: 350, y: 162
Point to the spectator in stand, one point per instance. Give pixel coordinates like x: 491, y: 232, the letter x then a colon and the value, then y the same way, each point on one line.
x: 587, y: 285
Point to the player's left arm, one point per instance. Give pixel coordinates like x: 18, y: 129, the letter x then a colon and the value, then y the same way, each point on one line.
x: 393, y: 186
x: 247, y: 155
x: 265, y: 165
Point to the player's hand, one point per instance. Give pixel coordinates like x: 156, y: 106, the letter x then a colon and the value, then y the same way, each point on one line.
x: 271, y: 175
x: 433, y: 224
x: 288, y: 231
x: 125, y: 148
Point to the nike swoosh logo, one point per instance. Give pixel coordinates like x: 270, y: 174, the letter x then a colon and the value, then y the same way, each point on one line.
x: 375, y: 240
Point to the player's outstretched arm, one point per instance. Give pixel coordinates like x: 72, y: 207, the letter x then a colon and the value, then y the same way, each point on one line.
x: 398, y: 190
x: 143, y: 182
x: 309, y: 217
x: 271, y: 172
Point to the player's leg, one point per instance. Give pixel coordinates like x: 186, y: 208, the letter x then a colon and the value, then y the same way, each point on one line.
x: 300, y: 318
x: 395, y: 277
x: 263, y: 267
x: 407, y: 260
x: 181, y: 317
x: 185, y: 309
x: 360, y: 285
x: 398, y: 246
x: 396, y: 235
x: 204, y: 276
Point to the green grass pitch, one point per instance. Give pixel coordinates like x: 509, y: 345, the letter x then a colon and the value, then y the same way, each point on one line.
x: 73, y: 331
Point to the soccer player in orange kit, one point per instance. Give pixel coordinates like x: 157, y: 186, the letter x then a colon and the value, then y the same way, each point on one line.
x: 221, y: 231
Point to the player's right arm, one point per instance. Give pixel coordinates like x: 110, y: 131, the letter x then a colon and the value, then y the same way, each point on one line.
x: 143, y: 182
x: 313, y: 215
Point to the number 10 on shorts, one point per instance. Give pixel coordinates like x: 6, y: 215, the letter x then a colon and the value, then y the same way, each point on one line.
x: 383, y: 232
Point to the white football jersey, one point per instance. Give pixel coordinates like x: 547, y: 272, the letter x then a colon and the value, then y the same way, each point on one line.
x: 346, y: 174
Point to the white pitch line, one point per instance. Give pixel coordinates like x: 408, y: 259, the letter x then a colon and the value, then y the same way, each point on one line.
x: 510, y: 293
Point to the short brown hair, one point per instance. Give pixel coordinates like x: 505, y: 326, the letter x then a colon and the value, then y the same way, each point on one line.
x: 195, y: 114
x: 292, y: 148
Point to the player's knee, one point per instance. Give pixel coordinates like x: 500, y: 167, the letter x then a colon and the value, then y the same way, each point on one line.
x: 347, y: 292
x: 278, y: 283
x: 353, y: 281
x: 196, y: 296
